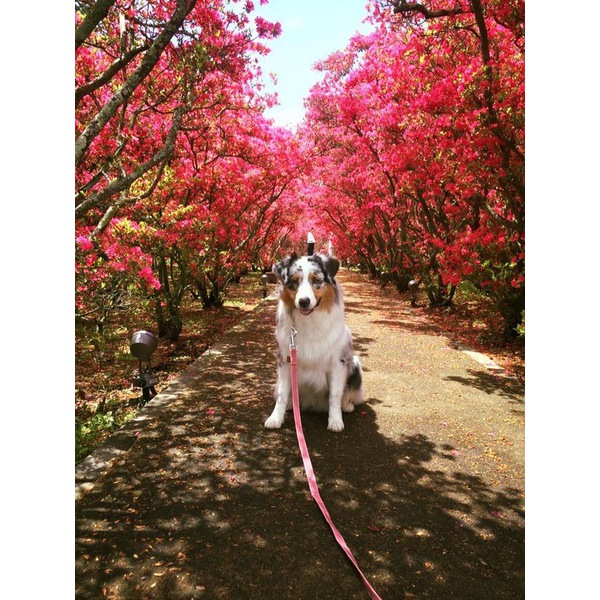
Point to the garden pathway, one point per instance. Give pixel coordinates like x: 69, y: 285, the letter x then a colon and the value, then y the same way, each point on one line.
x: 195, y: 499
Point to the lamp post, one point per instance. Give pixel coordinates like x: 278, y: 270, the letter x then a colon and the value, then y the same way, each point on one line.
x: 143, y: 343
x: 269, y: 277
x: 413, y: 286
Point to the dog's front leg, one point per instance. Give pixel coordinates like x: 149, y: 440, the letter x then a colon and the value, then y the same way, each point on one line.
x: 337, y: 382
x: 283, y: 392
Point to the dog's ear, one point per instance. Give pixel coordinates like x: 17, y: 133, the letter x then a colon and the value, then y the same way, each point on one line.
x: 332, y: 265
x: 280, y: 268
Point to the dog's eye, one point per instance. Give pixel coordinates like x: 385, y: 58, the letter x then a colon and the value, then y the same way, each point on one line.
x: 292, y: 284
x: 317, y: 282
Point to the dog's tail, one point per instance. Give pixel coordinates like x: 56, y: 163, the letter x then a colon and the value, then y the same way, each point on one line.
x: 354, y: 381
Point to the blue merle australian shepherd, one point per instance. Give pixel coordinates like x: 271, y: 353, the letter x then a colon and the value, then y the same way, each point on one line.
x: 329, y: 374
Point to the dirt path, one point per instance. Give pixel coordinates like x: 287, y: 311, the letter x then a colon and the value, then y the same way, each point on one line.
x: 425, y: 483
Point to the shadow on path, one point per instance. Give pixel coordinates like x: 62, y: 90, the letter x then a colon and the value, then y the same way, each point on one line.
x: 491, y: 383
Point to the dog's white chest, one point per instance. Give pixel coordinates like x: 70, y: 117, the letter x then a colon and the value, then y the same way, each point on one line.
x: 319, y: 337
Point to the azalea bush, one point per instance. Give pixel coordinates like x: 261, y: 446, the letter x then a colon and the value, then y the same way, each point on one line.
x: 410, y: 159
x: 417, y: 134
x: 177, y: 186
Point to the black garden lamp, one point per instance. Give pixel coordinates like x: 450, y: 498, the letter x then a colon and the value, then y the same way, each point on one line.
x: 269, y: 277
x: 413, y: 286
x: 143, y: 343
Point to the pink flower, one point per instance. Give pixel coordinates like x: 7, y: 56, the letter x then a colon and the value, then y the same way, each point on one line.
x: 148, y: 276
x: 265, y: 29
x: 84, y: 243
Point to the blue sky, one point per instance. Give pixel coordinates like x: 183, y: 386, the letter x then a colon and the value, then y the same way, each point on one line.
x: 311, y: 31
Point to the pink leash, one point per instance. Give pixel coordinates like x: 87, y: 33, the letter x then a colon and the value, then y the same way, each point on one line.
x: 310, y: 474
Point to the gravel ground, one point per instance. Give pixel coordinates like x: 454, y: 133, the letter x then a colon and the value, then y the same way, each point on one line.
x: 426, y: 482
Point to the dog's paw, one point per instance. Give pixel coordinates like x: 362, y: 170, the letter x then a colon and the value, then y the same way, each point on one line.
x: 335, y: 424
x: 348, y: 407
x: 273, y: 422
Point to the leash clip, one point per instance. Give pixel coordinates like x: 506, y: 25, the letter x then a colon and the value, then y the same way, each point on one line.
x: 293, y: 333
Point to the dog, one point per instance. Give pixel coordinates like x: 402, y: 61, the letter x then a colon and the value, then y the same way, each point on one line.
x: 329, y: 373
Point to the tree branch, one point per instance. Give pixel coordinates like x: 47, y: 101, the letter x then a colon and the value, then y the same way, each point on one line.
x: 403, y: 7
x: 113, y: 209
x: 113, y: 69
x: 123, y: 183
x: 148, y: 62
x: 485, y: 42
x: 96, y: 14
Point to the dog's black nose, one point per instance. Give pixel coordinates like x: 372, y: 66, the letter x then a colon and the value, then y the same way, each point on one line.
x: 304, y: 302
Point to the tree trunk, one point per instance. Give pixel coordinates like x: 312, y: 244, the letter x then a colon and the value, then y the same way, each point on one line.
x: 168, y: 320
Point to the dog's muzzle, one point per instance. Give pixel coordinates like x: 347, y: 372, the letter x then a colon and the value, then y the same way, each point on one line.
x: 304, y: 306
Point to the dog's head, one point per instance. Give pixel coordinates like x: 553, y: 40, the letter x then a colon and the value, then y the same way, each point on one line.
x: 308, y: 282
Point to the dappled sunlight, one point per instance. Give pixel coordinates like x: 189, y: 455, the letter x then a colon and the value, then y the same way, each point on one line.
x: 209, y: 501
x: 413, y: 526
